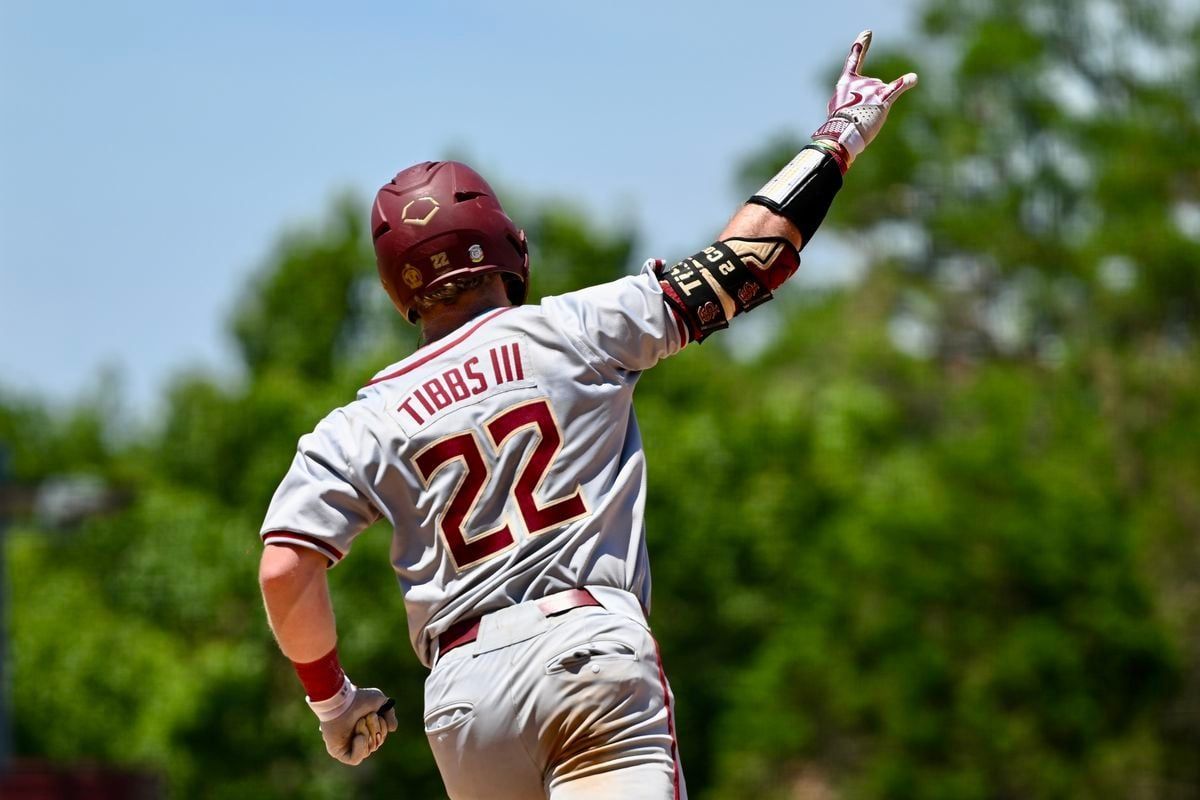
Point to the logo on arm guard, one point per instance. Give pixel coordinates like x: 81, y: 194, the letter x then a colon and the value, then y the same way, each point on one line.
x: 747, y: 292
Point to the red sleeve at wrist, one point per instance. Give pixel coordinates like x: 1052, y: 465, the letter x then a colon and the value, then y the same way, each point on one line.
x: 321, y: 678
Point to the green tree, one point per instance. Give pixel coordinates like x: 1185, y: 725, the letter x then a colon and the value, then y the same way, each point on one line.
x: 989, y: 579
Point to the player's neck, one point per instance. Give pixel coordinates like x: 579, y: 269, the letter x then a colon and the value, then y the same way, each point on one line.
x: 438, y: 321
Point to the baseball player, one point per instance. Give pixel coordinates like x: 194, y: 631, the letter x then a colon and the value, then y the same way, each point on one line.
x: 506, y: 456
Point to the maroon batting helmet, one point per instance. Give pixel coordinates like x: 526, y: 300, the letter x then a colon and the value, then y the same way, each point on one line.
x: 438, y: 221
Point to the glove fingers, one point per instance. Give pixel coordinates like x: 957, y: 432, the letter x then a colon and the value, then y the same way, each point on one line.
x: 900, y: 86
x: 858, y: 51
x: 374, y: 730
x: 360, y: 729
x: 359, y: 750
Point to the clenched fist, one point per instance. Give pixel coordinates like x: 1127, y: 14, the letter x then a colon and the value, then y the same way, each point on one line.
x: 355, y: 722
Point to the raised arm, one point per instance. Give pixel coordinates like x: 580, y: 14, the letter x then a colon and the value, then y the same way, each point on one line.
x: 759, y: 248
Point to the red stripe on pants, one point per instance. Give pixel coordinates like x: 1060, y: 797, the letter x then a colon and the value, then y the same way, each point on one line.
x: 662, y: 676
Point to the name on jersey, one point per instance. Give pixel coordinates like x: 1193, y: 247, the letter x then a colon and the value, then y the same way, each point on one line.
x: 499, y: 365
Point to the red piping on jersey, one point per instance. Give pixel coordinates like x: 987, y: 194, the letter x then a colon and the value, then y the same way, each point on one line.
x: 432, y: 355
x: 662, y: 677
x: 673, y: 303
x: 325, y: 548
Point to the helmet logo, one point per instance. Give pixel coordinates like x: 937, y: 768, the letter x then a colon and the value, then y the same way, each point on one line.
x: 476, y: 253
x: 412, y: 276
x: 419, y: 211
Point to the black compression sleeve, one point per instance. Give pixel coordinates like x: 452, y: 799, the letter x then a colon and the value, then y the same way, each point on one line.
x: 803, y: 190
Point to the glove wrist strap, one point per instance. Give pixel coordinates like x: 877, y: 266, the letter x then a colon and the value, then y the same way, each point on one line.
x: 333, y: 707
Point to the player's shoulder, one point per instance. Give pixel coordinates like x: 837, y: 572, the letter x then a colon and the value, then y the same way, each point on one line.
x: 620, y: 289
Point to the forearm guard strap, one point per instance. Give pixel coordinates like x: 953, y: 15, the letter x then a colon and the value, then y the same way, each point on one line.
x: 804, y: 189
x: 730, y: 277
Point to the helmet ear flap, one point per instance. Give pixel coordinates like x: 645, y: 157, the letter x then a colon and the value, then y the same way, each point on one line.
x: 522, y: 246
x: 517, y: 288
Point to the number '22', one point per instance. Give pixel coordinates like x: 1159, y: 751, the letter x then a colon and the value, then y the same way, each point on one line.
x: 467, y: 448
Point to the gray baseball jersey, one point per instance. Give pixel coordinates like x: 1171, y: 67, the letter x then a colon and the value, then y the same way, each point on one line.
x: 506, y: 456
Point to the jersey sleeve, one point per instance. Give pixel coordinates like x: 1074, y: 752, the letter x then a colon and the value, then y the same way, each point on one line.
x: 624, y: 323
x: 318, y: 505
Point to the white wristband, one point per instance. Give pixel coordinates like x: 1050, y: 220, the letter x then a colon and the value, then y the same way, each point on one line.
x: 333, y: 707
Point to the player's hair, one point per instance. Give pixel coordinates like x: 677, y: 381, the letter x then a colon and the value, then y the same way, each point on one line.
x: 448, y: 293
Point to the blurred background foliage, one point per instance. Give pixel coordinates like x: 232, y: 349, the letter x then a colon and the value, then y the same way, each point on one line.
x: 951, y: 542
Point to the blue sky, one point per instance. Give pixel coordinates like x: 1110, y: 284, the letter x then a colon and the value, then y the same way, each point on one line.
x: 151, y: 153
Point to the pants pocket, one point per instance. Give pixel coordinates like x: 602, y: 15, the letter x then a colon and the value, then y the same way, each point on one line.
x: 580, y: 656
x: 448, y: 717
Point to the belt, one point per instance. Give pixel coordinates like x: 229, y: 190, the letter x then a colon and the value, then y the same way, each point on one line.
x: 467, y: 630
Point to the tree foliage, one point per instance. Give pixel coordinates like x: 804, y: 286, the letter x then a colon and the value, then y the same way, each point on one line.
x: 936, y: 540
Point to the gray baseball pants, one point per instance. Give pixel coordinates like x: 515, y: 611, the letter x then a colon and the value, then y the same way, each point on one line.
x: 569, y: 707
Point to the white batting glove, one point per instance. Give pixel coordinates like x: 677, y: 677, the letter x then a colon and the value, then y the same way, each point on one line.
x: 859, y: 104
x: 354, y: 722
